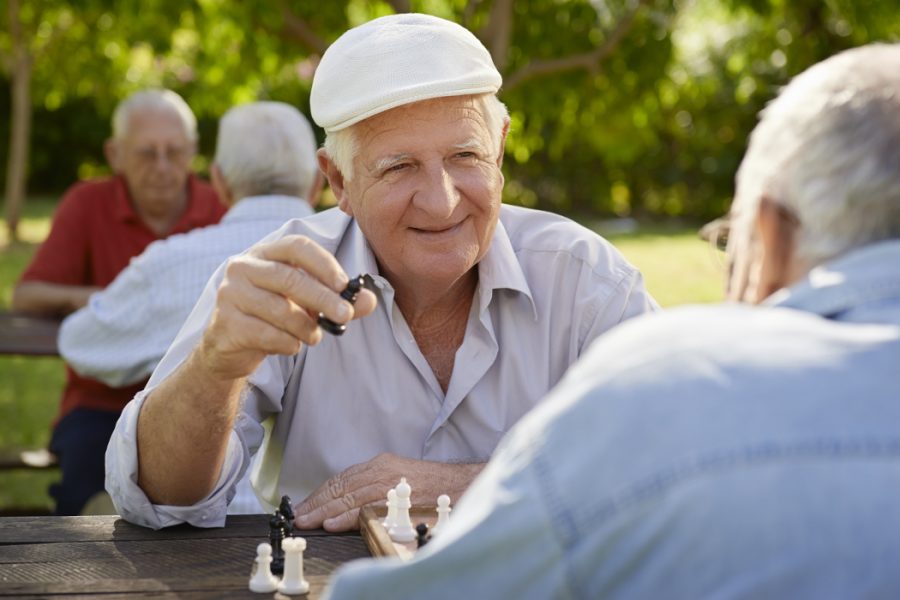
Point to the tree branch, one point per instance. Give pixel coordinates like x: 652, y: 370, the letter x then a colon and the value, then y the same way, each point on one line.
x: 297, y: 29
x: 499, y: 31
x: 469, y: 12
x: 589, y: 61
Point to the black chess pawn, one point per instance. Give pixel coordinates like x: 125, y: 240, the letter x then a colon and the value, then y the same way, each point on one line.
x: 422, y: 535
x: 276, y: 536
x: 349, y: 294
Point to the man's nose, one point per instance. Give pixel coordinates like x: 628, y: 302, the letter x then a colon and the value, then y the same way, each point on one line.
x: 161, y: 159
x: 439, y: 195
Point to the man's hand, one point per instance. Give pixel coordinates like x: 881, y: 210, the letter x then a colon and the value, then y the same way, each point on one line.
x: 335, y: 505
x: 269, y: 302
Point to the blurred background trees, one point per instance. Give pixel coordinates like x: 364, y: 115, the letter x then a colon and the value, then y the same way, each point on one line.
x: 619, y: 107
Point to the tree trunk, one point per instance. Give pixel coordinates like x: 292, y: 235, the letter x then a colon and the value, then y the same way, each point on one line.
x: 20, y: 130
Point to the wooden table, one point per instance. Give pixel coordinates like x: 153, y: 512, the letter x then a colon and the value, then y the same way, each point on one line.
x: 67, y: 557
x: 30, y: 336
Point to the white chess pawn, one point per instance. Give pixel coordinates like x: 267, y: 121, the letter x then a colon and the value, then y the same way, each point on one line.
x: 443, y: 511
x: 403, y: 531
x: 262, y: 580
x: 391, y: 517
x: 293, y: 582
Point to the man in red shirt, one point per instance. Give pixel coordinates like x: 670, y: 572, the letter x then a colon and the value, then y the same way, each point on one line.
x: 98, y: 227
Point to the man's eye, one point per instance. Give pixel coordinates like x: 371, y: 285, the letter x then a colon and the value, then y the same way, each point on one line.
x: 465, y: 155
x: 397, y: 167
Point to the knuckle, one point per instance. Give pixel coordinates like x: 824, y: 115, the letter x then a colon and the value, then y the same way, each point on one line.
x: 335, y: 487
x: 294, y: 279
x: 348, y: 501
x: 299, y: 243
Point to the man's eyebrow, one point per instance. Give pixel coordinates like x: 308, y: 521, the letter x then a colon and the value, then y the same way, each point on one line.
x: 387, y: 161
x: 472, y: 143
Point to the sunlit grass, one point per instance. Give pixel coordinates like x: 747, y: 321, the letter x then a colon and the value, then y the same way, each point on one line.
x: 678, y: 267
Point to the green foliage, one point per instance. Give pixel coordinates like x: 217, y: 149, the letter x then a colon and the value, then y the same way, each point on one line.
x: 656, y: 127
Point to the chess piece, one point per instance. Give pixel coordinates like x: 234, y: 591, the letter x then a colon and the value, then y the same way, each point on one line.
x: 349, y: 294
x: 422, y: 536
x: 403, y: 531
x: 443, y: 511
x: 287, y: 511
x: 262, y: 580
x: 276, y: 537
x: 293, y: 582
x: 391, y: 517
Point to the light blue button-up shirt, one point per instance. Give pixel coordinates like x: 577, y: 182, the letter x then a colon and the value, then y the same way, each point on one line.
x: 547, y: 287
x: 125, y: 329
x: 710, y: 452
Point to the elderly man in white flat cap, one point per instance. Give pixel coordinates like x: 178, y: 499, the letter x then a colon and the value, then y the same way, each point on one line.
x: 472, y: 310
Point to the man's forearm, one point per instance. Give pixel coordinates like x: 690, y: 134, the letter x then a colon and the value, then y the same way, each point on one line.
x: 50, y: 299
x: 183, y: 432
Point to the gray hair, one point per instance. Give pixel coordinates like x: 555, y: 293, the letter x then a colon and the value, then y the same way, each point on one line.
x: 828, y: 149
x: 341, y: 145
x: 266, y: 148
x: 153, y: 99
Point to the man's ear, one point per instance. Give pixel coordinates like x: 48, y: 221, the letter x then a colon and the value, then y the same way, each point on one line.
x: 776, y: 227
x: 335, y: 180
x: 503, y: 142
x: 220, y: 185
x: 315, y: 190
x: 113, y: 153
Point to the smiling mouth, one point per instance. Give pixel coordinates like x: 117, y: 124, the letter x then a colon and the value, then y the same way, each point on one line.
x: 434, y: 231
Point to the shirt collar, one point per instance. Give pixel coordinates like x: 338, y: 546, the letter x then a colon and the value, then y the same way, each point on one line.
x: 868, y: 274
x: 499, y: 269
x: 267, y: 208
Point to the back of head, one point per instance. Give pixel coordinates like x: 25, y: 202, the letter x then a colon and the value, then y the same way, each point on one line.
x: 266, y: 148
x: 828, y: 149
x: 155, y: 100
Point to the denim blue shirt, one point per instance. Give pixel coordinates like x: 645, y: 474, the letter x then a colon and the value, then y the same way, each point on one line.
x: 707, y: 452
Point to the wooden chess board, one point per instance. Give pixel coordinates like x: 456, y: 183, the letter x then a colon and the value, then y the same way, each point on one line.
x: 377, y: 538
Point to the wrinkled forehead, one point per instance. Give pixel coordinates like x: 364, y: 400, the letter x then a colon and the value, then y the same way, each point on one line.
x: 437, y: 122
x: 148, y: 125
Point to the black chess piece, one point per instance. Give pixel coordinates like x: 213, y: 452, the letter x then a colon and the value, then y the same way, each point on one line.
x: 422, y: 536
x: 349, y: 294
x: 287, y: 511
x: 276, y: 536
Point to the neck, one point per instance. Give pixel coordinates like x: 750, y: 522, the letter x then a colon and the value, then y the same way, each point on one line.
x: 161, y: 223
x: 424, y: 305
x: 437, y: 320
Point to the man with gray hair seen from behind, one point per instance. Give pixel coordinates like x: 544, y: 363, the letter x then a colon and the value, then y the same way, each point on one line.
x: 738, y: 451
x: 472, y: 310
x: 97, y: 228
x: 265, y: 170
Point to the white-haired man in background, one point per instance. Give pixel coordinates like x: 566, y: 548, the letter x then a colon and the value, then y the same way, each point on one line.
x: 480, y: 307
x: 739, y: 451
x: 97, y: 228
x: 265, y: 170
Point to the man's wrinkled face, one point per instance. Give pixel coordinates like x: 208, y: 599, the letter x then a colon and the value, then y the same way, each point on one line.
x: 427, y: 189
x: 155, y: 157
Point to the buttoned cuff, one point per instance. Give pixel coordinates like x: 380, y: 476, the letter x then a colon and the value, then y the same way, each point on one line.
x: 132, y: 503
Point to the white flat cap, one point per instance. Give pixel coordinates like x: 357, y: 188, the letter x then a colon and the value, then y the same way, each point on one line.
x: 396, y: 60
